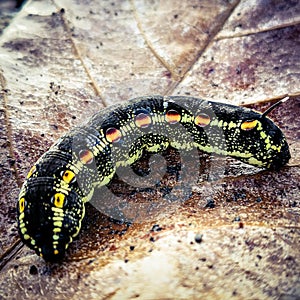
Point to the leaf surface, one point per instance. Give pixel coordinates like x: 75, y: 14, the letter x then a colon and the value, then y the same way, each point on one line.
x: 63, y: 60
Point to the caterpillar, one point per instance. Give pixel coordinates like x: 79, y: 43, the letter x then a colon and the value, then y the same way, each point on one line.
x: 51, y: 203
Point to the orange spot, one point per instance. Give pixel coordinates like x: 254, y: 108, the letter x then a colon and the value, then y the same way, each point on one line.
x: 142, y: 120
x: 202, y: 120
x: 86, y: 156
x: 113, y: 135
x: 173, y: 116
x: 249, y: 125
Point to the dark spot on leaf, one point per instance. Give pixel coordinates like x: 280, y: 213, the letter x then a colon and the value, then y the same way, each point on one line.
x: 33, y: 270
x: 156, y: 228
x: 198, y: 238
x: 210, y: 203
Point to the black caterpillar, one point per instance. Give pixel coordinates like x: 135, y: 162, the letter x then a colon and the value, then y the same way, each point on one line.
x: 52, y: 200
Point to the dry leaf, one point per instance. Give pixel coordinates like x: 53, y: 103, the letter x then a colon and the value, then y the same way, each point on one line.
x: 63, y: 60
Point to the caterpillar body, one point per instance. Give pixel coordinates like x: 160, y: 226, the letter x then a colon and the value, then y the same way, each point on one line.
x: 52, y: 199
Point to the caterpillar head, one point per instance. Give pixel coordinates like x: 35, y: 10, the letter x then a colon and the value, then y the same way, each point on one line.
x: 252, y: 137
x: 50, y: 208
x: 269, y: 148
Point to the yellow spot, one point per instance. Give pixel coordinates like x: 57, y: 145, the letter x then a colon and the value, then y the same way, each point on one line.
x: 26, y: 237
x: 22, y: 225
x: 57, y: 229
x: 57, y: 223
x: 31, y: 171
x: 21, y: 205
x: 263, y: 135
x: 249, y: 125
x: 68, y: 176
x: 259, y: 126
x: 276, y: 148
x: 231, y: 125
x: 55, y: 252
x: 59, y: 200
x: 23, y: 230
x: 267, y: 140
x: 21, y: 216
x: 55, y: 237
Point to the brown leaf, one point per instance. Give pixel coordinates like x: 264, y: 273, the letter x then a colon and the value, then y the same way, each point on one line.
x: 61, y: 61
